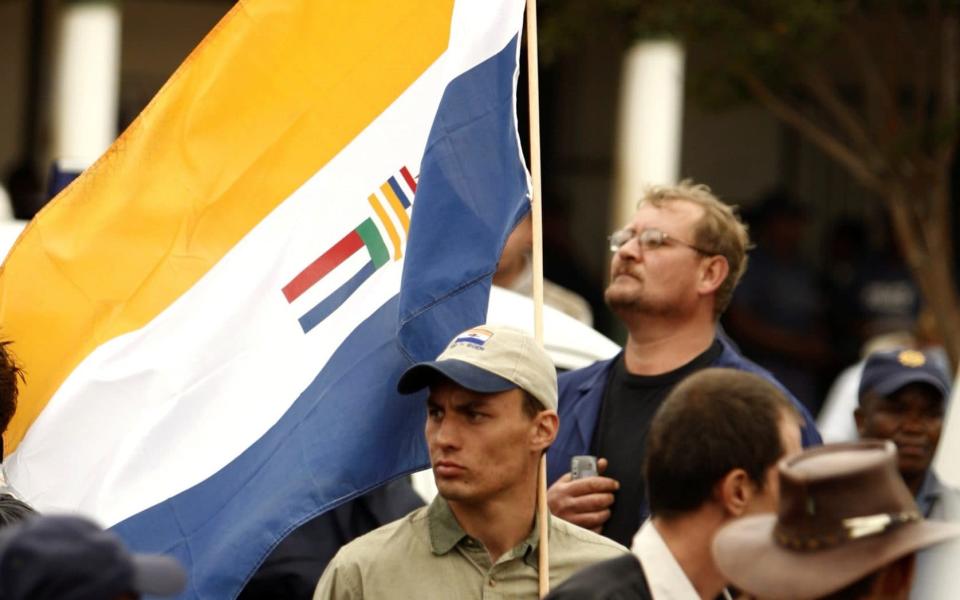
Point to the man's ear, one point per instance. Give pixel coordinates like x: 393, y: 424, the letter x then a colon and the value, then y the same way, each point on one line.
x: 544, y: 429
x: 734, y: 492
x: 713, y: 272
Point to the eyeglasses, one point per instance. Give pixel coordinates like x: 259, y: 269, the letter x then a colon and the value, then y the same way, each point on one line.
x: 649, y: 239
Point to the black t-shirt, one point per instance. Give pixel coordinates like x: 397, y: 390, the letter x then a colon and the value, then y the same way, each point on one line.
x: 629, y: 403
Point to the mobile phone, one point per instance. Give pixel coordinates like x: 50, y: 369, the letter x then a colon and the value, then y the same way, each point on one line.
x: 583, y: 466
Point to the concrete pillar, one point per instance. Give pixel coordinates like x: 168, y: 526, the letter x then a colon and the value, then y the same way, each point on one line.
x: 86, y: 80
x: 649, y: 123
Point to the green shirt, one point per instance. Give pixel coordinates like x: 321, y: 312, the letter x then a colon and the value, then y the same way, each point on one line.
x: 427, y: 555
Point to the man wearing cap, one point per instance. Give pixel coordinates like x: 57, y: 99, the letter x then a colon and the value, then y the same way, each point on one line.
x: 902, y: 398
x: 847, y: 527
x: 743, y: 425
x: 674, y: 269
x: 71, y: 558
x: 491, y: 413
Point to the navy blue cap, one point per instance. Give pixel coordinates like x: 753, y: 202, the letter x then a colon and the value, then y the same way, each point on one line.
x: 462, y: 373
x: 489, y: 359
x: 886, y: 372
x: 71, y: 558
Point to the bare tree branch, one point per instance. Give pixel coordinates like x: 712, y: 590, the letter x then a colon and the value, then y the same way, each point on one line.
x: 949, y: 110
x: 877, y: 88
x: 924, y: 250
x: 921, y: 67
x: 822, y: 89
x: 939, y: 229
x: 816, y: 134
x: 907, y: 226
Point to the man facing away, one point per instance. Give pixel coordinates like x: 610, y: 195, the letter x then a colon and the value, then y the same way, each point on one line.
x: 847, y: 528
x: 711, y: 457
x: 674, y: 268
x: 491, y: 413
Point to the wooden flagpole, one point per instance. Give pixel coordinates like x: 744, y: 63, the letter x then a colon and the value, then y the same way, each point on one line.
x: 533, y: 81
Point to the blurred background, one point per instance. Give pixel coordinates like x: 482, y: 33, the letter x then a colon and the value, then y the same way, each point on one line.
x: 833, y: 125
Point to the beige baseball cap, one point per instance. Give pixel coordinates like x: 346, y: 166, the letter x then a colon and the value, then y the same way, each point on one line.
x: 489, y: 359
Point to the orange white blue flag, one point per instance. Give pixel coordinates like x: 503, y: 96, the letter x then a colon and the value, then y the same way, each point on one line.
x: 213, y: 316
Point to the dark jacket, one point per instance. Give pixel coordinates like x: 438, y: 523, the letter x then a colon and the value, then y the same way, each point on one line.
x: 619, y: 578
x: 581, y: 394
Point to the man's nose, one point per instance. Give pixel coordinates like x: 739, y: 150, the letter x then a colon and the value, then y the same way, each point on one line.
x: 631, y: 250
x: 446, y: 433
x: 914, y: 422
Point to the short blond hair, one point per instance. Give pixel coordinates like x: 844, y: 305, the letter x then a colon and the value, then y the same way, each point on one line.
x: 719, y: 231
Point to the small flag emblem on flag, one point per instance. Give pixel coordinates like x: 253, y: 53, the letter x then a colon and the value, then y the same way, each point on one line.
x: 365, y: 235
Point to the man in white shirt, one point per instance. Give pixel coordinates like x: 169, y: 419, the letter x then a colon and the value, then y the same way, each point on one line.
x: 711, y: 458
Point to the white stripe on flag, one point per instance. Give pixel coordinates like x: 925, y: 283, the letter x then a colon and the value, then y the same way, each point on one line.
x: 155, y: 412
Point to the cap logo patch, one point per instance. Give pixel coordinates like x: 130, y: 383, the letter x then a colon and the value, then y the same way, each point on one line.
x: 911, y: 358
x: 474, y: 337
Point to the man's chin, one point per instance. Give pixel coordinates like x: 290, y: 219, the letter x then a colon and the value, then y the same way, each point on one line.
x: 913, y: 466
x: 618, y: 298
x: 453, y: 491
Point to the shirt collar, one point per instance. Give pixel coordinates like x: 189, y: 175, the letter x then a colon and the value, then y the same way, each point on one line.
x: 446, y: 533
x: 665, y: 576
x: 929, y: 494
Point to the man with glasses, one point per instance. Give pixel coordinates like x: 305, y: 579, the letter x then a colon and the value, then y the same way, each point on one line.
x: 675, y: 266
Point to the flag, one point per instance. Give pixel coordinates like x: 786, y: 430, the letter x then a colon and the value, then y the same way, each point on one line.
x: 213, y: 316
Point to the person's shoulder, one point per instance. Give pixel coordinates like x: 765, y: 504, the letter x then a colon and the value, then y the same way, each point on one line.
x: 622, y: 567
x: 731, y: 357
x: 946, y: 507
x: 620, y: 577
x: 584, y: 374
x: 565, y: 536
x: 372, y: 561
x: 393, y: 539
x: 574, y: 548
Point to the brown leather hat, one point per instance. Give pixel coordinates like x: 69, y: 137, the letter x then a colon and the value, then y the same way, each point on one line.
x: 844, y: 512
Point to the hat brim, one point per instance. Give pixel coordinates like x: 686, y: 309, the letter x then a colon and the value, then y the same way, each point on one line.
x: 747, y: 555
x: 158, y: 575
x: 462, y: 373
x: 900, y: 380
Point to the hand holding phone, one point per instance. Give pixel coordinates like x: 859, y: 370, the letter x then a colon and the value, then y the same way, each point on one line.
x: 583, y: 466
x: 583, y: 496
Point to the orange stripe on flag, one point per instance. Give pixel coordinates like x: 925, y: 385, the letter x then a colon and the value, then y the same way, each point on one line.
x: 388, y: 225
x: 397, y: 207
x: 266, y: 99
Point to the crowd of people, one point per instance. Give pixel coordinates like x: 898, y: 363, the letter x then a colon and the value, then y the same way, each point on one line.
x: 711, y: 477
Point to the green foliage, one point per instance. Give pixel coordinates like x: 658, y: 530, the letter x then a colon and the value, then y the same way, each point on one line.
x: 778, y: 43
x: 765, y: 37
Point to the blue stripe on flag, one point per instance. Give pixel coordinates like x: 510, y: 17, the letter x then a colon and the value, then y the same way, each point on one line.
x: 399, y: 192
x: 473, y: 156
x: 349, y: 431
x: 325, y: 308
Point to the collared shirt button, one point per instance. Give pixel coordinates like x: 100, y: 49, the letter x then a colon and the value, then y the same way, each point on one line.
x: 492, y: 582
